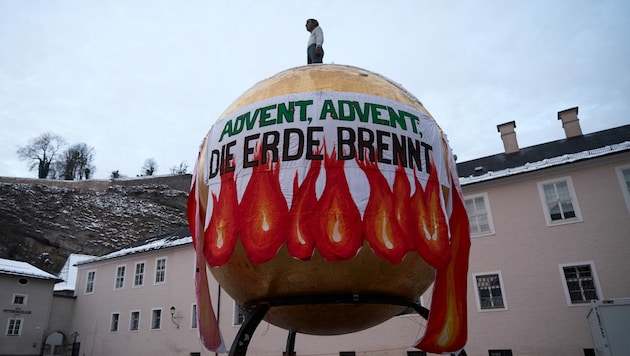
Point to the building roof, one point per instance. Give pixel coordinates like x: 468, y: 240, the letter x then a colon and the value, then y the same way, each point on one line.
x: 68, y: 272
x: 19, y: 268
x: 178, y: 238
x: 545, y: 155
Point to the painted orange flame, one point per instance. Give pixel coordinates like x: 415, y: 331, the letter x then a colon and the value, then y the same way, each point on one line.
x: 447, y: 326
x: 381, y: 225
x: 264, y: 211
x: 337, y: 237
x: 300, y: 239
x: 221, y: 234
x: 429, y: 222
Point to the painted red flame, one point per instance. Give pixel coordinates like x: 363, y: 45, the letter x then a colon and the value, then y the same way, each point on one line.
x: 301, y: 239
x: 337, y: 236
x: 429, y: 222
x: 402, y: 202
x: 221, y: 234
x: 263, y: 210
x: 381, y: 225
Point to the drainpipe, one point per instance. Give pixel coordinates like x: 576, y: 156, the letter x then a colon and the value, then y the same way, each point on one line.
x: 218, y: 310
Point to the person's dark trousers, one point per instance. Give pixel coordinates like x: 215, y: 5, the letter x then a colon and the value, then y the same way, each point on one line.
x: 312, y: 56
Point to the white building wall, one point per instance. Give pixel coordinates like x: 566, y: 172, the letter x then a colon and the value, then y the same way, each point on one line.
x: 93, y: 312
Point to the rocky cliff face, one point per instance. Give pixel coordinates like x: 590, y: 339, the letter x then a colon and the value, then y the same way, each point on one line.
x: 41, y: 223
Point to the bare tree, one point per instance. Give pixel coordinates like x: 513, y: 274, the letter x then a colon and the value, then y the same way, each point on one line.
x: 149, y: 167
x: 182, y: 169
x: 76, y: 162
x: 41, y: 151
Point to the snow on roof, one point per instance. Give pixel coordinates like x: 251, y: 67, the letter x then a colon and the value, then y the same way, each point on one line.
x: 548, y: 162
x: 69, y: 272
x: 19, y: 268
x: 165, y: 241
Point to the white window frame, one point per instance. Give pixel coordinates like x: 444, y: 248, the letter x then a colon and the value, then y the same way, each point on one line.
x: 90, y: 285
x: 131, y: 312
x: 122, y: 278
x: 25, y: 300
x: 574, y: 202
x: 19, y: 328
x: 155, y: 275
x: 565, y: 287
x: 486, y: 203
x: 501, y: 285
x: 236, y: 315
x: 193, y: 316
x: 153, y: 319
x: 136, y: 274
x: 622, y: 182
x: 111, y: 323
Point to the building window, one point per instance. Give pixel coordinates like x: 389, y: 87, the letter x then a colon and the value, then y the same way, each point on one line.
x: 113, y: 325
x: 347, y: 353
x: 19, y: 299
x: 156, y: 319
x: 160, y: 271
x: 193, y: 318
x: 14, y: 327
x: 479, y: 217
x: 623, y: 173
x: 134, y: 321
x: 580, y: 283
x: 489, y: 291
x: 89, y: 282
x: 120, y: 277
x: 559, y: 201
x: 138, y: 278
x: 499, y: 352
x: 239, y: 315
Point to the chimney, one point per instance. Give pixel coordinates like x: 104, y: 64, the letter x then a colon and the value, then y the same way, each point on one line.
x: 570, y: 122
x: 508, y: 136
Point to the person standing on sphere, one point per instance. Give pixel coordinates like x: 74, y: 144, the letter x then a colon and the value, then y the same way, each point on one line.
x: 314, y: 50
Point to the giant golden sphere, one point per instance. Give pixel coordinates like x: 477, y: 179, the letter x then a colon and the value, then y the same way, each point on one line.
x: 287, y: 276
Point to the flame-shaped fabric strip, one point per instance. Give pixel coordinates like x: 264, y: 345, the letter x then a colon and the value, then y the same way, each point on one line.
x: 262, y: 212
x: 380, y: 224
x: 447, y: 325
x: 338, y: 227
x: 209, y: 332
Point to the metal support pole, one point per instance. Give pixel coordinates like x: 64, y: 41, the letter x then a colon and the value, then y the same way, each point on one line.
x: 290, y: 351
x: 255, y: 314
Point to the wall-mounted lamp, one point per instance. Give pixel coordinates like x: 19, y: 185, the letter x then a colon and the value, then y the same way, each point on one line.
x: 173, y: 317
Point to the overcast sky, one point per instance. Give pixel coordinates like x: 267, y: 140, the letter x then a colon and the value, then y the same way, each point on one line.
x: 147, y: 79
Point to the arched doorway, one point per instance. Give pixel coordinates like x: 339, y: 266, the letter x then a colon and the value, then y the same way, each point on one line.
x: 54, y: 344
